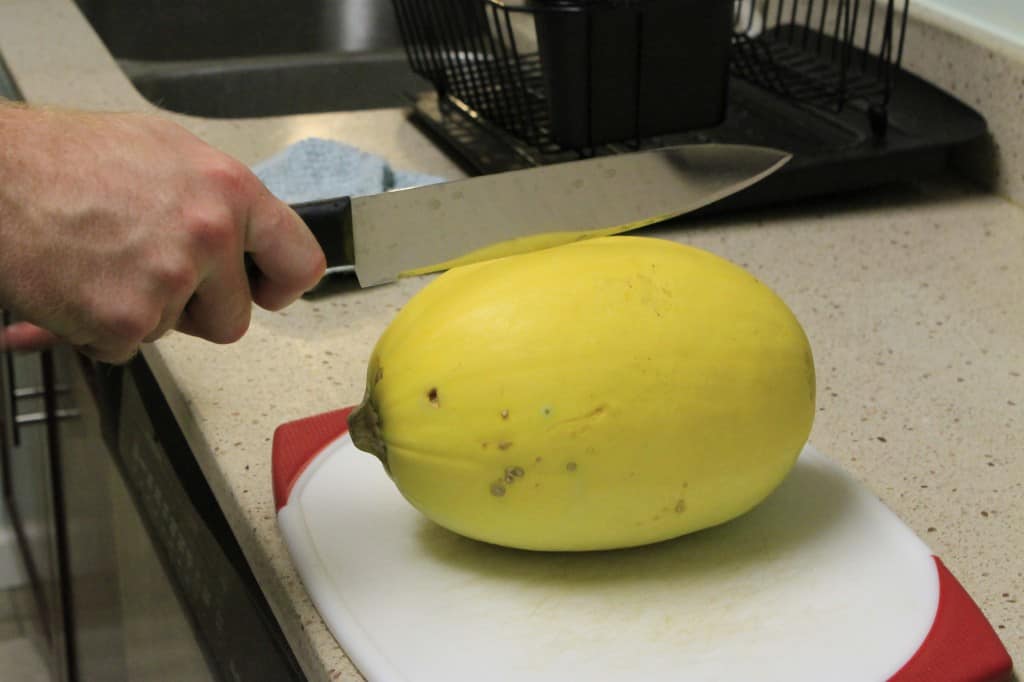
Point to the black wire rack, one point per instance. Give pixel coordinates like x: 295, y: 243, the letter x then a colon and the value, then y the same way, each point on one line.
x: 468, y: 49
x: 825, y: 53
x: 508, y: 65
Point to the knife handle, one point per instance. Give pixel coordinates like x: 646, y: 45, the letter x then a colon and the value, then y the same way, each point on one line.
x: 330, y: 221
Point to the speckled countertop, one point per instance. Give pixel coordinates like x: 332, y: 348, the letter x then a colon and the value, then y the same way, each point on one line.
x: 912, y: 298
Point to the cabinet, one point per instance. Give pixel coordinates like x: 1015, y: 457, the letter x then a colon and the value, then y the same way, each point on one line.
x: 134, y: 572
x: 126, y: 620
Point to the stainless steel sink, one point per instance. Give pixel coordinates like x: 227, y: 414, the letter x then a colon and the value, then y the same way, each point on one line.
x: 238, y: 58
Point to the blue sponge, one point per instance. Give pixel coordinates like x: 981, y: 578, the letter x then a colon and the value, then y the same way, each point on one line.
x: 315, y: 168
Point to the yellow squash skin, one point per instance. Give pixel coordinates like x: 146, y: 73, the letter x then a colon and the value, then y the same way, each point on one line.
x: 609, y: 393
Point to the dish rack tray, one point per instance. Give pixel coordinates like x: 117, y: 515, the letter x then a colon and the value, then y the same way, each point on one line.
x: 582, y: 72
x: 519, y: 83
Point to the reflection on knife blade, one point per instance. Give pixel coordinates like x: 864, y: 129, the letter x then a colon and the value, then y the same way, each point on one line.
x: 425, y: 229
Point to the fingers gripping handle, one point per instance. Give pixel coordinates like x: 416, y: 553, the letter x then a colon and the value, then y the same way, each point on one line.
x: 330, y: 221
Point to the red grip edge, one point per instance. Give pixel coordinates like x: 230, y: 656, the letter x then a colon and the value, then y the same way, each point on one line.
x: 961, y: 646
x: 297, y: 443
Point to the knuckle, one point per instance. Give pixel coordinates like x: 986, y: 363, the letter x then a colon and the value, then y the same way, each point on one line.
x: 228, y: 174
x: 272, y: 224
x: 124, y: 323
x: 176, y: 276
x: 211, y: 229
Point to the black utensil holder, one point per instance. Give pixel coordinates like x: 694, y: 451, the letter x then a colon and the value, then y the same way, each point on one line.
x: 626, y: 71
x: 558, y: 75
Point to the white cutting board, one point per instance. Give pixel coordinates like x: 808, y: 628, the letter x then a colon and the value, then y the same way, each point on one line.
x: 821, y: 581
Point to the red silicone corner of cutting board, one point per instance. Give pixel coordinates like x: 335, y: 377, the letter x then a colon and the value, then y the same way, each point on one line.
x: 961, y: 645
x: 297, y: 443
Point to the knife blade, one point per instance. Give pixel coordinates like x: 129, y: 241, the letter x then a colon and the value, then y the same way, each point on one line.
x: 434, y: 227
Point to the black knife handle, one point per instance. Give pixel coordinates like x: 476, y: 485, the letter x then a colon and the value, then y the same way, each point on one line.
x: 330, y: 221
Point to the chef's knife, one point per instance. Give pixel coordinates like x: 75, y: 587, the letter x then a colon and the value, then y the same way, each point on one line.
x: 435, y: 227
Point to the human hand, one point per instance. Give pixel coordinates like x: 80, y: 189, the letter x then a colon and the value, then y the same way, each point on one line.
x: 115, y: 228
x: 25, y: 336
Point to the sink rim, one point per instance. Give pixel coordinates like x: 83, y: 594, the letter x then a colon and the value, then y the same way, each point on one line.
x: 140, y: 68
x: 277, y: 85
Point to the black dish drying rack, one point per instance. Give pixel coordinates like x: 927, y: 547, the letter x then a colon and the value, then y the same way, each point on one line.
x: 520, y: 83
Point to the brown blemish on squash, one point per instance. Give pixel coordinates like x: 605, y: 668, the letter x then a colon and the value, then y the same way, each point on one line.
x: 512, y: 474
x: 433, y: 397
x: 504, y: 445
x: 596, y: 412
x: 379, y: 375
x: 497, y: 489
x: 571, y: 466
x: 680, y: 506
x: 504, y: 414
x: 539, y: 460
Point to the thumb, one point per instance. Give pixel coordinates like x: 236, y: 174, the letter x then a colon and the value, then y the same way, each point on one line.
x: 24, y: 336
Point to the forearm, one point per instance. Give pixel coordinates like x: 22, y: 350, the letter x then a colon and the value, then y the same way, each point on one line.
x: 47, y: 189
x: 17, y: 186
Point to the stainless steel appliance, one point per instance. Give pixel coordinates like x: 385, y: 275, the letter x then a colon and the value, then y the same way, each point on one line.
x: 134, y: 573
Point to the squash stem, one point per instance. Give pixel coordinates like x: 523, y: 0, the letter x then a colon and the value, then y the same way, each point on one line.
x: 364, y: 427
